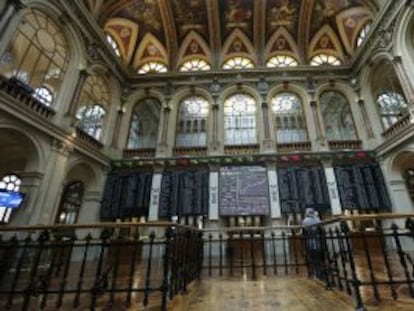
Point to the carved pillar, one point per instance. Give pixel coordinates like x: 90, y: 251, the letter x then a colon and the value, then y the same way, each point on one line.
x: 316, y: 119
x: 365, y: 118
x: 83, y: 74
x: 404, y: 79
x: 164, y: 133
x: 52, y: 184
x: 118, y: 121
x: 336, y: 208
x: 215, y: 116
x: 10, y: 9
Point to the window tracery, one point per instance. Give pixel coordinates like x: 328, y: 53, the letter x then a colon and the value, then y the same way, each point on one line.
x: 240, y: 119
x: 392, y: 107
x: 152, y: 67
x: 363, y: 34
x: 44, y: 95
x: 114, y: 45
x: 238, y: 62
x: 192, y: 122
x: 290, y: 125
x: 325, y: 59
x: 195, y: 64
x: 282, y: 61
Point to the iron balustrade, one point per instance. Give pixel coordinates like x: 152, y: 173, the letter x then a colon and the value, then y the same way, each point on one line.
x: 102, y: 266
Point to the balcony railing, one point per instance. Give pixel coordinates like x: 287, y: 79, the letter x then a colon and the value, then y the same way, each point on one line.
x: 140, y: 153
x: 398, y: 127
x: 293, y: 147
x: 345, y: 144
x: 241, y: 149
x: 23, y: 94
x: 91, y: 141
x: 194, y: 151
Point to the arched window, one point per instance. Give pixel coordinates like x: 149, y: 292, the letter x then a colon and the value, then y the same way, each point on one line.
x: 281, y: 61
x: 192, y: 122
x: 337, y: 116
x: 38, y: 54
x: 70, y: 203
x: 290, y: 125
x: 93, y: 102
x: 91, y: 120
x: 44, y: 95
x: 113, y: 44
x: 238, y: 62
x: 195, y: 64
x: 409, y: 181
x: 392, y: 107
x: 152, y: 67
x: 10, y: 182
x: 363, y: 34
x: 240, y: 120
x: 143, y: 131
x: 325, y: 59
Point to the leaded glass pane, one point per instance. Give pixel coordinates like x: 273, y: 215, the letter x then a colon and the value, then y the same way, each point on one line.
x: 238, y: 62
x: 143, y: 131
x: 281, y: 61
x: 290, y: 125
x: 325, y: 59
x: 38, y: 54
x: 91, y: 119
x: 196, y: 64
x: 363, y: 34
x: 392, y: 107
x: 240, y: 120
x: 10, y: 182
x: 337, y: 116
x: 113, y: 45
x: 44, y: 95
x: 192, y: 122
x: 70, y: 203
x: 152, y: 67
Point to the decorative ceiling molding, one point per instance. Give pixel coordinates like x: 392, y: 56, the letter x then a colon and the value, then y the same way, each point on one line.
x: 193, y: 45
x: 326, y: 41
x: 150, y: 49
x: 238, y: 44
x: 282, y: 42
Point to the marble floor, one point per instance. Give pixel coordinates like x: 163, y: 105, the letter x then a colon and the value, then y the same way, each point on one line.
x: 273, y: 294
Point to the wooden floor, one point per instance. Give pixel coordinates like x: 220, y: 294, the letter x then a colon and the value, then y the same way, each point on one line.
x: 272, y: 294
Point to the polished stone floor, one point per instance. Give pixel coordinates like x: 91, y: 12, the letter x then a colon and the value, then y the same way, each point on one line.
x: 272, y: 294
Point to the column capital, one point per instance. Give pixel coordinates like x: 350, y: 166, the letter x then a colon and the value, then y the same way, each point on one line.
x: 313, y: 103
x: 265, y: 105
x: 62, y: 147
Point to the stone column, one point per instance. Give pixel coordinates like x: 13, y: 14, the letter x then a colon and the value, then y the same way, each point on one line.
x: 404, y: 79
x: 163, y: 145
x: 8, y: 12
x: 365, y: 118
x: 73, y: 106
x: 155, y: 195
x: 115, y: 134
x: 318, y: 126
x: 336, y: 208
x: 52, y: 184
x: 215, y: 128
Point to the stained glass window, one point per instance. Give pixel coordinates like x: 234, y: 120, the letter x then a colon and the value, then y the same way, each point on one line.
x: 238, y: 62
x: 9, y: 182
x: 38, y: 54
x: 195, y: 64
x: 290, y: 125
x: 143, y: 131
x: 192, y: 122
x: 325, y: 59
x: 240, y: 120
x: 392, y: 107
x: 152, y: 67
x: 281, y: 61
x: 337, y: 116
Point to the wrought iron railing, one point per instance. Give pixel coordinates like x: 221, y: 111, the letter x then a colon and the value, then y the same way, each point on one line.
x: 104, y: 266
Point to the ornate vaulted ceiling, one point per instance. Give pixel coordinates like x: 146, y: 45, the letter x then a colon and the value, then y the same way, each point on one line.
x: 173, y: 31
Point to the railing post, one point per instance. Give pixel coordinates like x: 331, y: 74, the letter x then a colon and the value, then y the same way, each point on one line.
x: 356, y: 283
x: 164, y: 288
x: 148, y: 272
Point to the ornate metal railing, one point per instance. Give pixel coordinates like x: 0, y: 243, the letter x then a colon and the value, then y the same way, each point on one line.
x: 241, y: 149
x: 23, y: 94
x: 292, y: 147
x: 104, y: 266
x: 195, y: 151
x: 345, y: 144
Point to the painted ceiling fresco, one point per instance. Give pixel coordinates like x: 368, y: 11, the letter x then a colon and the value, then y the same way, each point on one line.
x: 170, y: 31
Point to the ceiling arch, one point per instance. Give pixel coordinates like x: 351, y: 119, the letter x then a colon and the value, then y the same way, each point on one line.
x: 262, y: 23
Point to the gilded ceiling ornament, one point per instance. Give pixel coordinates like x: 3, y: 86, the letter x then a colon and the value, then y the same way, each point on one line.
x: 282, y: 15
